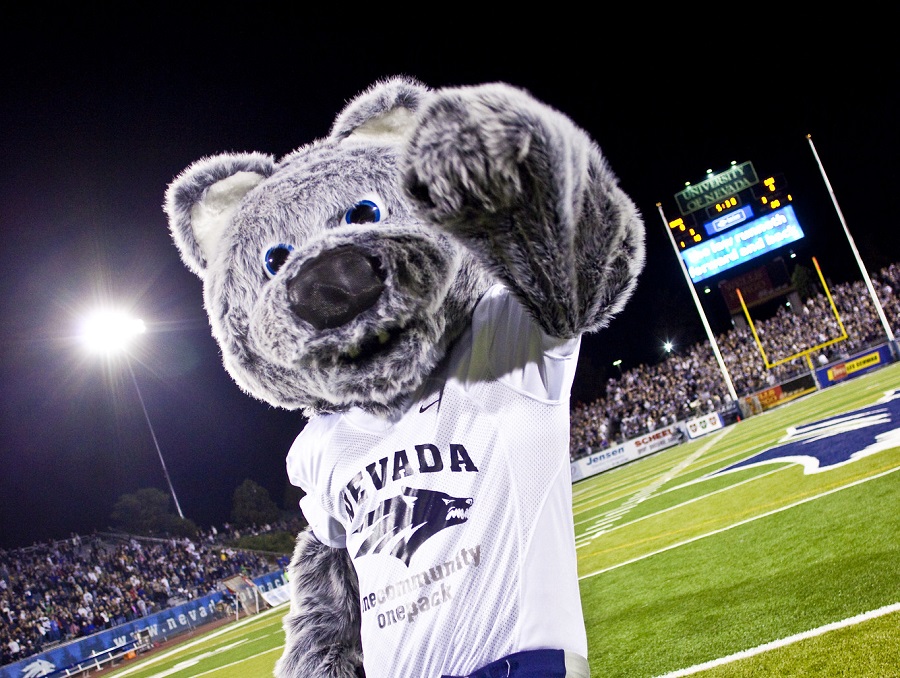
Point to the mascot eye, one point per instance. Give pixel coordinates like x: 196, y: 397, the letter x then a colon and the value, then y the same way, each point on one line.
x: 363, y: 212
x: 275, y: 258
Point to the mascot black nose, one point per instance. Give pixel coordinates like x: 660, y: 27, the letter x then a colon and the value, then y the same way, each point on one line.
x: 335, y: 287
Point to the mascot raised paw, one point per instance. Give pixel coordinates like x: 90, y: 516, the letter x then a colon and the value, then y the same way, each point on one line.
x: 417, y: 283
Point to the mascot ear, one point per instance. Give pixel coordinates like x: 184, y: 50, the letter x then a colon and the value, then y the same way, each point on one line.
x: 202, y: 200
x: 384, y: 112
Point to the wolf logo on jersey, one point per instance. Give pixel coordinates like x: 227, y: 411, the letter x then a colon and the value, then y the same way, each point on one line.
x: 401, y: 524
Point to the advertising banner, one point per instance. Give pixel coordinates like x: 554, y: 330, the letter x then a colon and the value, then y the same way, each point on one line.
x: 700, y: 426
x: 857, y: 365
x: 628, y: 451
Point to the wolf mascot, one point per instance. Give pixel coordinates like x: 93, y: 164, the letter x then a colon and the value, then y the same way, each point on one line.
x: 417, y: 282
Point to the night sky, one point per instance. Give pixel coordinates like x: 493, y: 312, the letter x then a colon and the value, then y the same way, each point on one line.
x: 100, y: 113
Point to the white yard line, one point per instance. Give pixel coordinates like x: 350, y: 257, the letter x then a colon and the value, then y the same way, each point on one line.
x: 604, y: 523
x: 698, y: 498
x: 181, y: 648
x: 775, y: 644
x: 193, y: 661
x: 739, y: 523
x: 240, y: 661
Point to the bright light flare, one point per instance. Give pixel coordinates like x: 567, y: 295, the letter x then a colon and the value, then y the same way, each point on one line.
x: 110, y: 331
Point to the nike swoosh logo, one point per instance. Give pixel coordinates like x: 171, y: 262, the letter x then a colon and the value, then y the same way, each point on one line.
x: 422, y: 408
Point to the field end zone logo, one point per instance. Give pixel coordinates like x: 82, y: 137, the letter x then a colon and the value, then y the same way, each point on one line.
x: 838, y: 440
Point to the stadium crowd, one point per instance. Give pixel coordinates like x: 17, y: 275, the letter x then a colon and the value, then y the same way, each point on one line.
x: 56, y: 592
x: 689, y: 383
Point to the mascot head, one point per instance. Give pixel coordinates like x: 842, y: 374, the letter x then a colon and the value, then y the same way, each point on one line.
x: 323, y: 288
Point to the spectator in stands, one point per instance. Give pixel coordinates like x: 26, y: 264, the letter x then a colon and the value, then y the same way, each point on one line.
x: 73, y: 588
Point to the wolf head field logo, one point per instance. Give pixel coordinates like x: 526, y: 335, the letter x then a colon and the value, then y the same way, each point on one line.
x: 835, y: 441
x: 401, y: 524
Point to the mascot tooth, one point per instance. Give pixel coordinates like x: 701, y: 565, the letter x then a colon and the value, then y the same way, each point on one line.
x: 417, y: 282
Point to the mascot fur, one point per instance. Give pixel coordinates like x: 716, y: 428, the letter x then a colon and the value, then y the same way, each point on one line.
x: 417, y: 283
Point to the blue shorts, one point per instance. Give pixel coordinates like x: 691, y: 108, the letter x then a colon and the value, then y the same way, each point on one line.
x: 527, y: 664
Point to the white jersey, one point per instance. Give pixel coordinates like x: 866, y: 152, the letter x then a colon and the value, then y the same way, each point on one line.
x: 458, y: 513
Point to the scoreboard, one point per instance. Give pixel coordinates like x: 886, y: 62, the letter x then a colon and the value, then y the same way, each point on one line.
x: 740, y: 244
x: 732, y: 217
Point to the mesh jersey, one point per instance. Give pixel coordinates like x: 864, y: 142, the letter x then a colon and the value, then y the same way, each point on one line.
x: 458, y: 513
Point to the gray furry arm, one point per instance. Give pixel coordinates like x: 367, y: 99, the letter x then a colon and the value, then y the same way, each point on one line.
x: 531, y: 195
x: 322, y: 628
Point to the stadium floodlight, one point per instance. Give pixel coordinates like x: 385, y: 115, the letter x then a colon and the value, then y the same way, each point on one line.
x: 110, y: 332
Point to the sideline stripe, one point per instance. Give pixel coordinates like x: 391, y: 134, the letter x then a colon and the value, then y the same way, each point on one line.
x: 604, y: 523
x: 740, y: 522
x: 228, y: 628
x: 700, y: 497
x: 193, y: 661
x: 775, y: 644
x: 235, y: 663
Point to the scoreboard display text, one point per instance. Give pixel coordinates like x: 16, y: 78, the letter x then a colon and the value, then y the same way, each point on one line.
x: 731, y: 218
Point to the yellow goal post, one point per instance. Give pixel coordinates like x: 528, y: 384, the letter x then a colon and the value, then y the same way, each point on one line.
x: 805, y: 352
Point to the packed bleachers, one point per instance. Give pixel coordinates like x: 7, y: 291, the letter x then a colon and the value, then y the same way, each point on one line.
x: 56, y: 592
x: 689, y: 383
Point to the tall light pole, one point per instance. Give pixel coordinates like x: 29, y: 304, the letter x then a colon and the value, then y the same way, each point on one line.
x: 108, y: 332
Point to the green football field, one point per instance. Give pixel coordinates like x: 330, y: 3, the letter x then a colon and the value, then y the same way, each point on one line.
x: 777, y: 569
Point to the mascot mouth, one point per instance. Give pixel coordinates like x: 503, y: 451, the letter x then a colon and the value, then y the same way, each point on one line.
x: 382, y: 342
